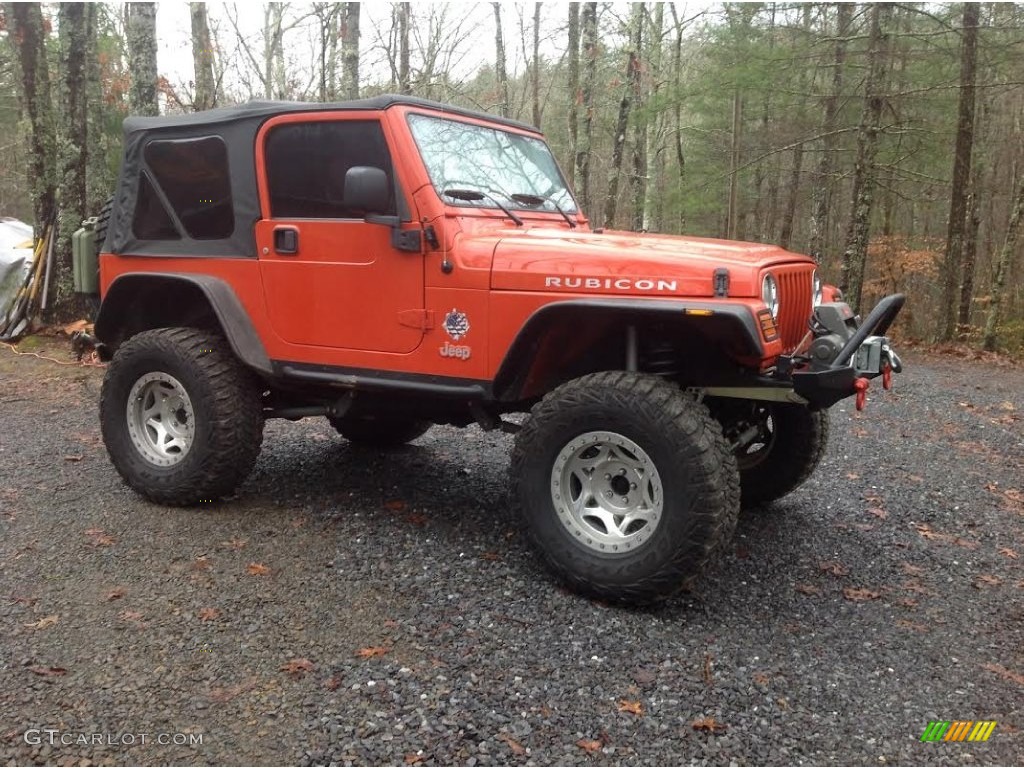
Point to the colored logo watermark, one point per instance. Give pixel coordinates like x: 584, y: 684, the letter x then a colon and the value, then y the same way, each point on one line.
x: 958, y: 730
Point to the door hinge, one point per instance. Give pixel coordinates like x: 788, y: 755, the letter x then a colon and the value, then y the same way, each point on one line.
x: 407, y: 240
x: 417, y: 318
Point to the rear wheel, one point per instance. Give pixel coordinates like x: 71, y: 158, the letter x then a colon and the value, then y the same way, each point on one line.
x: 626, y: 486
x: 379, y: 431
x: 790, y: 444
x: 182, y: 419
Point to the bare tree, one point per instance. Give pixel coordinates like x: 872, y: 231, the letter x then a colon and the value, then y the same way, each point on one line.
x: 404, y: 85
x: 535, y: 66
x: 73, y: 145
x: 202, y: 58
x: 27, y: 31
x: 350, y: 51
x: 1006, y: 255
x: 629, y: 91
x: 142, y: 47
x: 499, y: 62
x: 953, y: 262
x: 865, y: 174
x: 588, y: 18
x: 821, y: 197
x: 573, y: 54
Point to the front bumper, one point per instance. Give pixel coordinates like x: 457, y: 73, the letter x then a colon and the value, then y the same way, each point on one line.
x: 861, y: 352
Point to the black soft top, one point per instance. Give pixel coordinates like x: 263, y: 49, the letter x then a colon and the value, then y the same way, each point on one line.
x: 237, y: 126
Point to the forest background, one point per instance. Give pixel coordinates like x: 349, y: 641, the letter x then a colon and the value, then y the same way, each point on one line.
x: 884, y: 139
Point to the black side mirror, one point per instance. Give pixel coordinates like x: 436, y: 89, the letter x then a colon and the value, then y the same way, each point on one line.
x: 367, y: 190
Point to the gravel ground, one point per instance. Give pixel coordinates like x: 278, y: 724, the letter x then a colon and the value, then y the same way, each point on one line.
x: 355, y: 608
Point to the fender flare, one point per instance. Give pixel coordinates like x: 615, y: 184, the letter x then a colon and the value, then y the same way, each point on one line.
x: 231, y: 315
x: 511, y: 375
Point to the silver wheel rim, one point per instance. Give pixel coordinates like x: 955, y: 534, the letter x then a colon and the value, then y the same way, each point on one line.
x: 161, y: 421
x: 607, y: 492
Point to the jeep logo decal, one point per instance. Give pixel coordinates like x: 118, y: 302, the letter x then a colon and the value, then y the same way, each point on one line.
x: 456, y: 351
x: 611, y: 283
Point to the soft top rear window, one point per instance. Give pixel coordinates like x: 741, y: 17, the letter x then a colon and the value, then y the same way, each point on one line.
x: 194, y: 177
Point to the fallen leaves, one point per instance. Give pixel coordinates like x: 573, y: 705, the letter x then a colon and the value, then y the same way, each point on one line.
x: 201, y: 563
x: 395, y: 505
x: 1006, y: 674
x: 224, y: 695
x: 878, y: 512
x: 71, y: 457
x: 709, y: 725
x: 928, y: 533
x: 632, y: 707
x: 708, y: 671
x: 413, y: 758
x: 371, y: 652
x: 987, y: 580
x: 234, y: 544
x: 131, y: 615
x: 905, y: 624
x: 297, y: 667
x: 833, y: 567
x: 912, y: 570
x: 99, y: 538
x: 590, y: 746
x: 257, y: 569
x: 808, y: 589
x: 491, y: 556
x: 44, y: 623
x: 761, y: 678
x: 1007, y: 552
x: 860, y: 594
x: 332, y: 683
x: 209, y: 614
x: 48, y: 671
x: 116, y: 594
x: 515, y: 746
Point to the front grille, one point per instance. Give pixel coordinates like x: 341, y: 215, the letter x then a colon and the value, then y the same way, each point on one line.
x: 796, y: 296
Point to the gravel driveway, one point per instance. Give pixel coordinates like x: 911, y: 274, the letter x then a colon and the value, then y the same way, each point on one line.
x: 349, y: 607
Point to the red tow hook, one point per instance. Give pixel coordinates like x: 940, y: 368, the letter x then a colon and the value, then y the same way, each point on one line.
x: 861, y: 385
x: 887, y: 376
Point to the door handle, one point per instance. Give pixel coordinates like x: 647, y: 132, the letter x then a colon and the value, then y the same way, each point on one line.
x: 286, y: 240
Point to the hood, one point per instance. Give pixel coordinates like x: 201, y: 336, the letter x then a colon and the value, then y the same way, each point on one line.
x: 626, y: 262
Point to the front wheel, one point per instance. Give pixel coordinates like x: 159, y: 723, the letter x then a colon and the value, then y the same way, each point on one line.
x: 625, y: 485
x: 791, y: 442
x: 182, y: 419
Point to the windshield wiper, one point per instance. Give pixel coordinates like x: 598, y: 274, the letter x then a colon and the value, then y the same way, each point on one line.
x: 470, y: 195
x: 529, y: 199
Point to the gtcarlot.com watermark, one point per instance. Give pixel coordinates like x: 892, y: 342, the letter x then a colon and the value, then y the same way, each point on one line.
x: 56, y: 738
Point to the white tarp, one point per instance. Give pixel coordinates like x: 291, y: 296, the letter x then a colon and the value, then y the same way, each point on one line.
x: 15, y: 261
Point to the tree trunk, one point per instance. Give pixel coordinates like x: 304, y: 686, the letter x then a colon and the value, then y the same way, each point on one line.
x: 141, y: 38
x: 202, y: 58
x: 789, y: 213
x: 588, y: 20
x: 732, y: 214
x: 73, y: 28
x: 27, y: 33
x: 636, y: 26
x: 535, y: 66
x: 865, y: 173
x: 574, y: 87
x: 952, y: 263
x: 653, y: 154
x: 99, y: 178
x: 1006, y: 255
x: 677, y: 70
x: 350, y: 52
x: 404, y: 84
x: 499, y: 62
x: 821, y: 196
x: 970, y: 250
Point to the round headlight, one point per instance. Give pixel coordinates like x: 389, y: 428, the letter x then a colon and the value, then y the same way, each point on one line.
x: 770, y: 294
x: 817, y: 290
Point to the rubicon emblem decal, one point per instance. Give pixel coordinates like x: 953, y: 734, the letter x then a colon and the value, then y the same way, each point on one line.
x: 456, y: 324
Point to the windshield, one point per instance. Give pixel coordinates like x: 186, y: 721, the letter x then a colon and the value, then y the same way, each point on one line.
x: 474, y: 157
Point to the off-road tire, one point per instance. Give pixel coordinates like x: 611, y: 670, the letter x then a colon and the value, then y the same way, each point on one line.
x: 381, y: 432
x: 698, y: 475
x: 800, y: 437
x: 228, y: 415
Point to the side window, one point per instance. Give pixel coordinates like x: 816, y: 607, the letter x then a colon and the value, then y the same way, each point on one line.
x: 193, y: 175
x: 307, y: 162
x: 150, y: 221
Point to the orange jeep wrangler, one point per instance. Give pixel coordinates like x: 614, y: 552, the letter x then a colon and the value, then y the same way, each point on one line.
x: 393, y: 263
